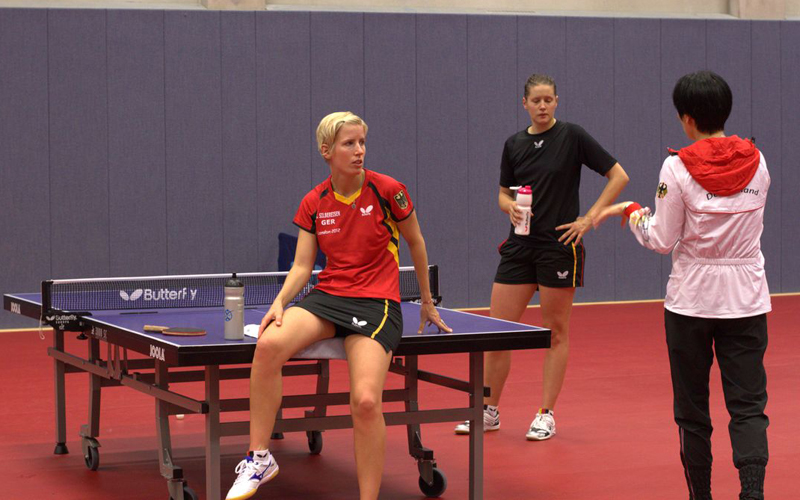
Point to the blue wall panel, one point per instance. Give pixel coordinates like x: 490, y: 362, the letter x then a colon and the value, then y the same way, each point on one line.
x: 239, y: 141
x: 285, y: 133
x: 337, y: 72
x: 683, y: 50
x: 136, y: 144
x: 194, y: 142
x: 542, y: 48
x: 493, y: 99
x: 590, y: 72
x: 390, y: 109
x: 144, y: 142
x: 728, y: 54
x: 442, y: 181
x: 789, y: 181
x: 78, y: 143
x: 766, y: 129
x: 24, y: 165
x: 637, y: 133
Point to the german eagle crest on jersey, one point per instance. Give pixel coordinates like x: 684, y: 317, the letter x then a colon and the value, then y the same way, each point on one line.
x: 662, y: 190
x: 401, y: 200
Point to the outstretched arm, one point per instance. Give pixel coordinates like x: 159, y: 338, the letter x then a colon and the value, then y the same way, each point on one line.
x: 411, y: 232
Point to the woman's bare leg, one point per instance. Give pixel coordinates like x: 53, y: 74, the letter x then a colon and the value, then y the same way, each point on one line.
x: 508, y: 302
x: 276, y: 345
x: 368, y: 364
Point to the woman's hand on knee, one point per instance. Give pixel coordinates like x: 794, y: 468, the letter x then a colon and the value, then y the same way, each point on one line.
x: 275, y: 314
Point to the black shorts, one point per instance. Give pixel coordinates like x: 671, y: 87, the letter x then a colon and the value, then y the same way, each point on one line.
x: 380, y: 319
x: 557, y: 266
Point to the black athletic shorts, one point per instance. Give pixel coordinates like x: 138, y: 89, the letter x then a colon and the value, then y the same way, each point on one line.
x: 380, y: 319
x: 557, y: 266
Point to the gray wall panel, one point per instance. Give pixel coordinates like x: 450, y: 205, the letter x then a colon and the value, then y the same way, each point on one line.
x: 637, y: 133
x: 492, y: 95
x: 542, y: 48
x: 285, y: 133
x: 789, y: 181
x: 239, y: 141
x: 390, y: 80
x: 24, y: 165
x: 337, y: 72
x: 136, y: 161
x: 590, y: 72
x: 442, y: 173
x: 683, y: 50
x: 767, y: 132
x: 78, y: 143
x: 728, y: 54
x: 194, y: 142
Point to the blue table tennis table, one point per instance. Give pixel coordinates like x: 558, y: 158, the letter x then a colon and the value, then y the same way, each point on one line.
x: 110, y: 313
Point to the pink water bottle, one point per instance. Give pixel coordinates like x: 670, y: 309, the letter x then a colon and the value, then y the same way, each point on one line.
x: 524, y: 203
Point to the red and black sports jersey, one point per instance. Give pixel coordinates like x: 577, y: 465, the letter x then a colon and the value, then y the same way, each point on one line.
x: 359, y: 235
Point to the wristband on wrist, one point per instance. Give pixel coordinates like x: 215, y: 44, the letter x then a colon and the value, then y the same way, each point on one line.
x: 631, y: 208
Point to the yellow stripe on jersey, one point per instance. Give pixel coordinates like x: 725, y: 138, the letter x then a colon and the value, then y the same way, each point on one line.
x: 350, y: 199
x: 383, y: 321
x: 574, y: 264
x: 392, y: 246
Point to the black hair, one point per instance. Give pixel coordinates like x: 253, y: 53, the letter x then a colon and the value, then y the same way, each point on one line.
x: 706, y: 97
x: 536, y: 79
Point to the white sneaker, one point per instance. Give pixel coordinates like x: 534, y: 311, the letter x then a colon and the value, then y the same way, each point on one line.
x: 543, y: 427
x: 252, y: 474
x: 491, y: 422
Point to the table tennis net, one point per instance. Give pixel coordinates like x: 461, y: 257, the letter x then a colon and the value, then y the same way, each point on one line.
x: 205, y: 290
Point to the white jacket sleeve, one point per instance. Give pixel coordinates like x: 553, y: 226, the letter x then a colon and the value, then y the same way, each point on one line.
x: 660, y: 231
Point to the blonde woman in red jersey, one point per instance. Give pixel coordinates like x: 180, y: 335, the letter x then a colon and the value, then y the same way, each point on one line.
x: 355, y: 217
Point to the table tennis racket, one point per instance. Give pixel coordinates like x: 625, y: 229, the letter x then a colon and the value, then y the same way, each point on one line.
x: 178, y: 331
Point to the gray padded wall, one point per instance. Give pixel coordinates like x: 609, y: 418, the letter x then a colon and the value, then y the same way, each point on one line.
x: 337, y: 73
x: 283, y: 70
x: 637, y: 132
x: 239, y: 141
x: 24, y: 155
x: 766, y: 101
x: 194, y: 180
x: 136, y: 143
x: 149, y: 142
x: 442, y: 184
x: 789, y: 181
x: 78, y: 105
x: 590, y: 60
x: 390, y: 80
x: 683, y: 50
x: 492, y: 118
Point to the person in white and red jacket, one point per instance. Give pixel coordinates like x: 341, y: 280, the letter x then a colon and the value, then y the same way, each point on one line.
x: 709, y: 212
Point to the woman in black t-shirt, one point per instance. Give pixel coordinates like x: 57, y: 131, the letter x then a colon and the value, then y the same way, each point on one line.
x: 548, y: 156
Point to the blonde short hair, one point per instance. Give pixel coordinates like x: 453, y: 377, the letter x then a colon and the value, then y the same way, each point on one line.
x: 329, y: 126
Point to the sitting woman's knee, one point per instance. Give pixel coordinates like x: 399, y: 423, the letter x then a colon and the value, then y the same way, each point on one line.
x: 268, y: 352
x: 365, y: 406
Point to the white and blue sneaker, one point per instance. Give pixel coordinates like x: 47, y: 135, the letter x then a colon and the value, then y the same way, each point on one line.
x: 491, y: 421
x: 543, y: 426
x: 253, y: 472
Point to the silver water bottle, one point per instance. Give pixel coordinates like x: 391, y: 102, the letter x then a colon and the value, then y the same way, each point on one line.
x: 234, y: 309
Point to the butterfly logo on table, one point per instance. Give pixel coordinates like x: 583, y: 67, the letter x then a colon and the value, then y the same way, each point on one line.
x: 135, y: 295
x: 358, y: 323
x: 366, y: 211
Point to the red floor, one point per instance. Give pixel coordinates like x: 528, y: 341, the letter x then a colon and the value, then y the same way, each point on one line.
x: 616, y: 439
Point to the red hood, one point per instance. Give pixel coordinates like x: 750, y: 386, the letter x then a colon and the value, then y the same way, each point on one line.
x: 722, y: 165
